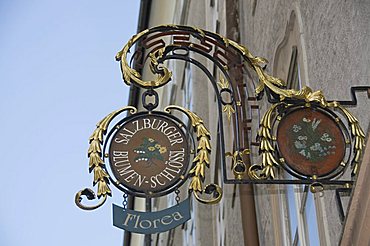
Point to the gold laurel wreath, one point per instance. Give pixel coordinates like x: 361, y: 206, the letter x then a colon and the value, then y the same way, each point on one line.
x: 265, y: 170
x: 96, y: 162
x: 358, y: 137
x: 201, y: 160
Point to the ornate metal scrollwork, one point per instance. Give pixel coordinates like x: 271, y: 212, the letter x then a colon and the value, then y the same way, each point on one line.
x: 154, y: 46
x: 227, y: 106
x: 152, y: 153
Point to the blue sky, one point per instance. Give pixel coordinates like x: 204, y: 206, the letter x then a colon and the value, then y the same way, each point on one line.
x: 58, y: 78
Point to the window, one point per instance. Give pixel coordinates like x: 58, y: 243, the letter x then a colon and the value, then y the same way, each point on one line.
x: 301, y: 203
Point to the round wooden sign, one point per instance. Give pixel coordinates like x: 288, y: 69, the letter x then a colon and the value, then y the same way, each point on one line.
x: 310, y: 142
x: 149, y: 154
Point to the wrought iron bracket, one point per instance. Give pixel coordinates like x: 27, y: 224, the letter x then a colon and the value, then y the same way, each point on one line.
x: 155, y: 46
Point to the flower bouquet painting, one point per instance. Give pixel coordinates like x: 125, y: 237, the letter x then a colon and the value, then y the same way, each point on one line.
x: 149, y: 151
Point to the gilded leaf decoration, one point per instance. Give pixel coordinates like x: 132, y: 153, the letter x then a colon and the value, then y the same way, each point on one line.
x: 223, y: 83
x: 131, y: 75
x: 265, y: 170
x: 227, y: 108
x: 357, y: 134
x: 204, y: 143
x: 201, y: 159
x: 96, y: 163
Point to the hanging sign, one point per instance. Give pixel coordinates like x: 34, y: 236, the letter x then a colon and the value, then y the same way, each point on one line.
x: 153, y: 222
x: 149, y: 156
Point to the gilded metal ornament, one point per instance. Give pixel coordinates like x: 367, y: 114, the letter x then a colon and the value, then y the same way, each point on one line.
x: 96, y: 162
x: 238, y: 166
x: 227, y: 108
x: 201, y: 160
x: 234, y: 97
x: 131, y: 75
x: 357, y: 134
x: 265, y: 170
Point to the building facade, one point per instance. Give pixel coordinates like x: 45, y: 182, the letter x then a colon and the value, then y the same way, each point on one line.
x: 320, y: 44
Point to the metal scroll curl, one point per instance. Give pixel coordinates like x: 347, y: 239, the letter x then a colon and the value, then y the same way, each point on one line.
x: 96, y: 163
x: 201, y: 160
x: 131, y: 75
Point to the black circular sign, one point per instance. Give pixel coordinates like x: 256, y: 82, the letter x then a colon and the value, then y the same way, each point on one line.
x: 149, y: 154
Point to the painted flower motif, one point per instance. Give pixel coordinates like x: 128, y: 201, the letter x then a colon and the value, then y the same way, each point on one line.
x: 296, y: 128
x: 326, y: 137
x: 302, y: 138
x: 317, y: 147
x: 149, y: 150
x: 163, y: 150
x: 309, y: 142
x: 300, y: 145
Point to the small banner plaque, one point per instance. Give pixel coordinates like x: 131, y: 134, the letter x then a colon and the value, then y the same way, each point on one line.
x: 153, y: 222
